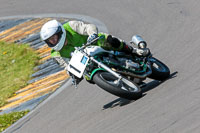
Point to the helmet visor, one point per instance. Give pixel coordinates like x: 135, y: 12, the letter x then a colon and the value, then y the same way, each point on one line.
x: 53, y: 40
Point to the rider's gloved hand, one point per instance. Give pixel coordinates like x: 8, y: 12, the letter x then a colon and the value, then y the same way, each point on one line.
x: 92, y: 37
x: 141, y: 51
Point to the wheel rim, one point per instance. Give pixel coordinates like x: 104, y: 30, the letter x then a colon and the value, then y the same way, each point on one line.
x: 128, y: 84
x: 123, y: 84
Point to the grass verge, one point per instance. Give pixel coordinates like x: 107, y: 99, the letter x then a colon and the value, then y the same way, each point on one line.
x: 8, y: 119
x: 16, y: 66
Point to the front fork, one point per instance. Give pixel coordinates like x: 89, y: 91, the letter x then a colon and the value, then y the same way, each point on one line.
x: 74, y: 81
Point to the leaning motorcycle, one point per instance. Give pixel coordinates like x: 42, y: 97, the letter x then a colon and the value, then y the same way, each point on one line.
x: 116, y: 72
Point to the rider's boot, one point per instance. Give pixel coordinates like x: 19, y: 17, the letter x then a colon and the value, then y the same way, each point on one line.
x: 127, y: 48
x: 138, y: 51
x: 116, y: 43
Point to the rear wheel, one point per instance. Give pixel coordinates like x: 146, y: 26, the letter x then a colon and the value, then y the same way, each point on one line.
x: 159, y: 70
x: 123, y: 88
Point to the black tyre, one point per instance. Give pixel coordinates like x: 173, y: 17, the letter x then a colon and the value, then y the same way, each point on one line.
x: 125, y: 88
x: 159, y: 70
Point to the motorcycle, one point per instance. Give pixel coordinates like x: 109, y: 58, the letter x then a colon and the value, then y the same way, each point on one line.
x: 116, y: 72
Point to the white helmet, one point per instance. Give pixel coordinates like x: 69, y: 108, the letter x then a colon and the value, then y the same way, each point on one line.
x: 51, y: 28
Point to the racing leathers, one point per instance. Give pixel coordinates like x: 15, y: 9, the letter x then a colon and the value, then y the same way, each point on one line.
x: 77, y: 33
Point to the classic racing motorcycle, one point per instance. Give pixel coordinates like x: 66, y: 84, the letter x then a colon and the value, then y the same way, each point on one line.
x: 116, y: 72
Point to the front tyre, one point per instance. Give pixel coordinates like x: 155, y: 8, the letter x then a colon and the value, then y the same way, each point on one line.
x: 124, y: 88
x: 159, y: 70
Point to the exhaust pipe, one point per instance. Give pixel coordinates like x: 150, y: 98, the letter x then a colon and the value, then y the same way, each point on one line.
x: 135, y: 75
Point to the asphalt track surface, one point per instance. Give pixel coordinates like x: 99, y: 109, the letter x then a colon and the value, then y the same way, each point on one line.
x: 171, y: 28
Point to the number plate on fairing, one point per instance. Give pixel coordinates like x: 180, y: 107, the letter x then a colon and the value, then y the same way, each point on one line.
x: 78, y: 64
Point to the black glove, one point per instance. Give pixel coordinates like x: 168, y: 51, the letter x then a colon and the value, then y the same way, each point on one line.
x: 91, y: 38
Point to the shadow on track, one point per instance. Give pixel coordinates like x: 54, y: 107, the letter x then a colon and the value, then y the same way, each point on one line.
x: 117, y: 102
x: 153, y: 84
x: 149, y: 86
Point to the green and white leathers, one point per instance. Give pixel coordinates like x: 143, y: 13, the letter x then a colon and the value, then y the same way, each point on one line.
x: 77, y: 34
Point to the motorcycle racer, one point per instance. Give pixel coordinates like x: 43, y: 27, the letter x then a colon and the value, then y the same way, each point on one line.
x: 63, y: 39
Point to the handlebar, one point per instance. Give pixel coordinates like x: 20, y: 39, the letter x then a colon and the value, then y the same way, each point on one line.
x: 89, y: 43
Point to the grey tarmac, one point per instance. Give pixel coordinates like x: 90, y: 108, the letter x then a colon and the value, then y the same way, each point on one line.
x: 171, y: 29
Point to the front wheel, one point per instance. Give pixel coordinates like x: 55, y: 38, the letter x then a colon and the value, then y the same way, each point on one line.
x: 159, y: 70
x: 123, y: 88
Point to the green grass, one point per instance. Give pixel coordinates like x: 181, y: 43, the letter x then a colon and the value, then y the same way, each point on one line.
x: 16, y: 65
x: 8, y: 119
